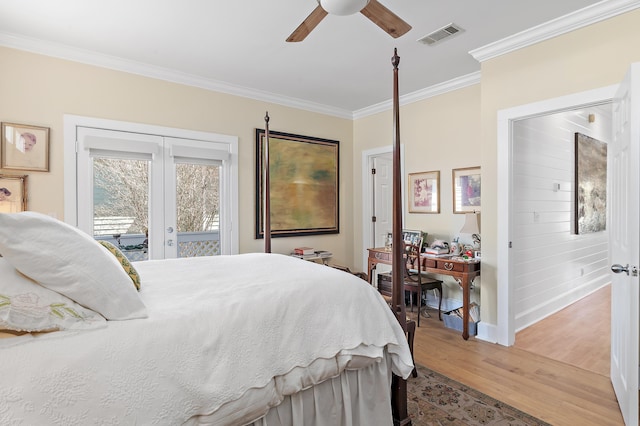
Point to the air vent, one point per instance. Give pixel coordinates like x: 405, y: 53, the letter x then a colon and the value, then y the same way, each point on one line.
x: 441, y: 34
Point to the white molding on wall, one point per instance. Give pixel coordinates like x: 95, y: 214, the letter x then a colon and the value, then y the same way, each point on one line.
x: 419, y: 95
x: 589, y: 15
x: 61, y: 51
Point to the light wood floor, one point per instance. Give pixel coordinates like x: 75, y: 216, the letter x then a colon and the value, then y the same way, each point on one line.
x: 579, y: 335
x: 553, y: 391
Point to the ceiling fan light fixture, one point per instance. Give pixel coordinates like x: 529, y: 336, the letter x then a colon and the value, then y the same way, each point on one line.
x: 343, y: 7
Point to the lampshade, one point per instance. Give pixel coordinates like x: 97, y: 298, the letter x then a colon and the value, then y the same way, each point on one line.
x: 343, y: 7
x: 470, y: 224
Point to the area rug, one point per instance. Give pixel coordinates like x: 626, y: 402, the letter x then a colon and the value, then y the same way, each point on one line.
x: 434, y: 399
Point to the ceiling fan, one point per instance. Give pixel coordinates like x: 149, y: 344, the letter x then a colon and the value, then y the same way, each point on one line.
x: 372, y: 9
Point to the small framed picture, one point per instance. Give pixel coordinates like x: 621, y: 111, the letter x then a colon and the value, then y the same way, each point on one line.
x: 13, y: 193
x: 424, y: 192
x: 24, y: 147
x: 466, y: 190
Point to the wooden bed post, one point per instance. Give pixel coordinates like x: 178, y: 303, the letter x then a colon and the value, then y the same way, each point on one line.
x: 399, y: 385
x: 267, y: 193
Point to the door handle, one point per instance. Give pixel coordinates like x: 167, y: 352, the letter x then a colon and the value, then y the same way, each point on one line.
x: 617, y: 268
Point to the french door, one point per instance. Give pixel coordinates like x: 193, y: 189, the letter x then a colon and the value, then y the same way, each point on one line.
x: 154, y: 196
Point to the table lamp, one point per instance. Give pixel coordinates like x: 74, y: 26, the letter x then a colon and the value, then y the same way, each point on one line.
x: 471, y: 227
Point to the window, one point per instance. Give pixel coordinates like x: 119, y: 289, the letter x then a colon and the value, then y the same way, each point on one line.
x: 155, y: 192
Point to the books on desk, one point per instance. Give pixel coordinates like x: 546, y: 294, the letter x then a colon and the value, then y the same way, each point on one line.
x: 314, y: 254
x: 436, y: 252
x: 303, y: 251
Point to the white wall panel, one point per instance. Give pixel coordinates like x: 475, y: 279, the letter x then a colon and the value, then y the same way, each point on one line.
x: 553, y: 267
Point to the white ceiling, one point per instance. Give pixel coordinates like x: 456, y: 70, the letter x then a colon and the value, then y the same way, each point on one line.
x: 238, y: 46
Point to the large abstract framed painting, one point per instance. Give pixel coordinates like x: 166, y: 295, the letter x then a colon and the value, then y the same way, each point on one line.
x: 13, y: 193
x: 466, y: 190
x: 303, y: 185
x: 590, y: 185
x: 25, y: 147
x: 424, y: 192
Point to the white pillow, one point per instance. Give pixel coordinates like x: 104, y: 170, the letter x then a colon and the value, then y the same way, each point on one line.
x: 27, y: 306
x: 64, y: 259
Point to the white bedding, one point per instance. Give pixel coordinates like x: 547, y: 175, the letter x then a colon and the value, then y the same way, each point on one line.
x: 226, y: 337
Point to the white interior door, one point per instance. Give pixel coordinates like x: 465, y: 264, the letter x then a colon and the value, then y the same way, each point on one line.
x: 624, y: 251
x: 382, y: 198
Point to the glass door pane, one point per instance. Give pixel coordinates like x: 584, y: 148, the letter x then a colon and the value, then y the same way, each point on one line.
x: 121, y: 204
x: 198, y: 209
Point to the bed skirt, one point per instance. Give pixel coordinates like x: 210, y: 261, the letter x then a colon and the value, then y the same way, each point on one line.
x: 353, y: 398
x: 356, y: 397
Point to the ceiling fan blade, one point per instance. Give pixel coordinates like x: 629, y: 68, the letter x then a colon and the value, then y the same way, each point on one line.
x: 307, y: 25
x: 391, y: 23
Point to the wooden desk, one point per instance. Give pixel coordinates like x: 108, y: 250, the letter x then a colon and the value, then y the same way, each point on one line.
x: 462, y: 271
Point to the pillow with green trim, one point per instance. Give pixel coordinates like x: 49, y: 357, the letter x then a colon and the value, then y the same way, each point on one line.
x: 126, y: 265
x: 27, y: 306
x: 64, y: 259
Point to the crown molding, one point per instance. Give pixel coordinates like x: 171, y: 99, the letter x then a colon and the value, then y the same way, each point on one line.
x: 589, y: 15
x: 60, y: 51
x: 419, y: 95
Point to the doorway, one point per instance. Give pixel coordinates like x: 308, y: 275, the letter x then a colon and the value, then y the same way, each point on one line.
x: 377, y: 197
x: 512, y: 262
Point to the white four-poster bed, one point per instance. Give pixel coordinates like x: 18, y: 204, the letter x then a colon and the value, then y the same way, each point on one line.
x: 258, y: 338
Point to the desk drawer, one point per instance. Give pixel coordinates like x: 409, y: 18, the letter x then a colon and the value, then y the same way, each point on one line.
x: 386, y: 256
x: 448, y: 265
x: 430, y: 263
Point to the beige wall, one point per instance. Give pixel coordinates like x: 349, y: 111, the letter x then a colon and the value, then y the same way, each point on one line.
x: 440, y: 133
x: 39, y: 90
x: 452, y: 130
x: 586, y: 59
x: 445, y: 132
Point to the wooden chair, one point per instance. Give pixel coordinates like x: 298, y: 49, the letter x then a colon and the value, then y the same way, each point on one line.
x: 417, y: 283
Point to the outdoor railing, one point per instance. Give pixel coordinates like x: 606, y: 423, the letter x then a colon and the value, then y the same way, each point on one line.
x: 190, y: 244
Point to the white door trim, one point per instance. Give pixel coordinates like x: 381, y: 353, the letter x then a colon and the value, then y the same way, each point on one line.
x: 367, y: 191
x: 505, y: 327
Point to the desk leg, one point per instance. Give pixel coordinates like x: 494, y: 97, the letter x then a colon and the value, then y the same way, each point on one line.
x: 465, y: 306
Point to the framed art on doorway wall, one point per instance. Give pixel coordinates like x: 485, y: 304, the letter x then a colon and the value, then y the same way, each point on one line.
x: 466, y: 190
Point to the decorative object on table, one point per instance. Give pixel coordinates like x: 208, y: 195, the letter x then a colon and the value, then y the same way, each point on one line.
x: 466, y: 190
x: 303, y: 179
x: 590, y: 195
x: 388, y: 241
x: 454, y: 247
x: 424, y: 192
x: 13, y: 193
x: 24, y: 147
x: 434, y: 399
